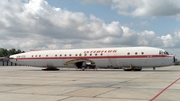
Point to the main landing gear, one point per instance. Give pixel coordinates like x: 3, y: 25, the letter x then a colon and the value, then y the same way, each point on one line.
x: 133, y: 68
x: 50, y: 68
x: 85, y: 65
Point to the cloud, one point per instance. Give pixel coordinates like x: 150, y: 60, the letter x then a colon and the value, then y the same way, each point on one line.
x: 142, y: 8
x: 67, y: 46
x: 149, y: 38
x: 97, y: 1
x: 35, y: 24
x: 171, y: 40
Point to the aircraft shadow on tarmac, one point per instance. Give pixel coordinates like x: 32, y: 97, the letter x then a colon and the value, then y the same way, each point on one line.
x: 102, y: 70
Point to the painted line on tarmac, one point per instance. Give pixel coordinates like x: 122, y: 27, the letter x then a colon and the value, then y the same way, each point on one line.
x: 164, y: 90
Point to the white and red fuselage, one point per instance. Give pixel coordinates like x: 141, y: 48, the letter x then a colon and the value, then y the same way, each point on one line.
x: 102, y: 57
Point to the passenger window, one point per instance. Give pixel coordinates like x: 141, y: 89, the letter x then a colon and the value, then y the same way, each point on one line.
x: 69, y: 54
x: 64, y: 54
x: 76, y: 55
x: 142, y: 53
x: 60, y: 55
x: 136, y: 53
x: 90, y: 54
x: 46, y: 55
x: 128, y: 53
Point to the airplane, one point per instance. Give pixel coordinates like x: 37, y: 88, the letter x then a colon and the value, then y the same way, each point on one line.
x: 128, y: 58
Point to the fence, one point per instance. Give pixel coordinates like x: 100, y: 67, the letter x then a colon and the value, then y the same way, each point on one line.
x: 7, y: 63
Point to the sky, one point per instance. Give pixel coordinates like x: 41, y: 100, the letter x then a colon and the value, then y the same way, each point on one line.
x: 59, y: 24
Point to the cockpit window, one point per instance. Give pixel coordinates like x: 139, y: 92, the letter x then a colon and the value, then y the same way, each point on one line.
x: 163, y: 52
x: 166, y: 53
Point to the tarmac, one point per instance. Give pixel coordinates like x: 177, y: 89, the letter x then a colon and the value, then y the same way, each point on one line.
x: 22, y: 83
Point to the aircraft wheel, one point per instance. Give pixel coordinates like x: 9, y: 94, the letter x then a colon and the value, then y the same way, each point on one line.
x: 137, y: 69
x: 127, y: 69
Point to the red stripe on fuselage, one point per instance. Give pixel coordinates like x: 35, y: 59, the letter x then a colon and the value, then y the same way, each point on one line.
x: 96, y: 57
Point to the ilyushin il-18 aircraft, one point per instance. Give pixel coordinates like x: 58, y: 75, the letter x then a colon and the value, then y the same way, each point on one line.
x: 127, y: 58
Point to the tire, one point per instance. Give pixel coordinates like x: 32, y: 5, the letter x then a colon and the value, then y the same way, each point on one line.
x: 127, y: 69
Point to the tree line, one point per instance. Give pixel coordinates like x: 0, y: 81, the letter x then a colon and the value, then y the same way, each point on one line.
x: 8, y: 52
